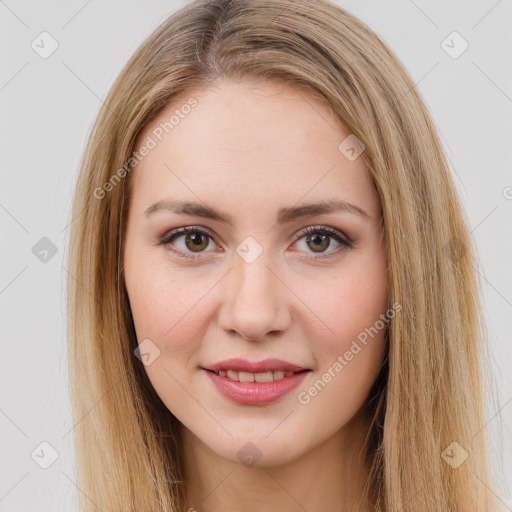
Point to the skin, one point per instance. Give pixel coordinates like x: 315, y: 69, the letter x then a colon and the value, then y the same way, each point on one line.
x: 283, y: 305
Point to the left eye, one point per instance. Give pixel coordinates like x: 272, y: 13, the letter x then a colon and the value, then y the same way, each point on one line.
x: 319, y: 239
x: 196, y: 240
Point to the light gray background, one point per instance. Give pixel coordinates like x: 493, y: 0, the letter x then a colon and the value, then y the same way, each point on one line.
x: 47, y: 108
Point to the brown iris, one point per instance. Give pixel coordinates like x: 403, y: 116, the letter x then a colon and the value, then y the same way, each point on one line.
x: 321, y: 242
x: 196, y: 242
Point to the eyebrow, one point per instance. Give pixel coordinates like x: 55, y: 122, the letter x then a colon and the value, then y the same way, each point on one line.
x: 284, y: 215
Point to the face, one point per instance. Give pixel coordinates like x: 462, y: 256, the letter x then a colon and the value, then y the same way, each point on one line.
x: 257, y: 276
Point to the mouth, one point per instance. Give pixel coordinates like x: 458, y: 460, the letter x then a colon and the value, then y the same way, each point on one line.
x: 249, y: 383
x: 255, y: 377
x: 240, y: 365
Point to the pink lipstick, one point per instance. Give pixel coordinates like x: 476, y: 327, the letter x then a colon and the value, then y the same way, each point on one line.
x: 250, y: 383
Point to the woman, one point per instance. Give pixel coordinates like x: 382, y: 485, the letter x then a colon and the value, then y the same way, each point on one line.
x: 273, y: 303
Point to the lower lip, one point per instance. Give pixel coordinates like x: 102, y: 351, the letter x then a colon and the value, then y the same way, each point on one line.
x: 256, y: 393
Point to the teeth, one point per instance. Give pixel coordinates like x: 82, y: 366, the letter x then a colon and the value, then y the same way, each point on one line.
x: 254, y: 377
x: 246, y: 377
x: 264, y: 377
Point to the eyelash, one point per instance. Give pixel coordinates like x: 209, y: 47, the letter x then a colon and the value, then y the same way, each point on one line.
x: 346, y: 243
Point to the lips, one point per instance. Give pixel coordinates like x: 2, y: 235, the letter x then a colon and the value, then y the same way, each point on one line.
x: 248, y: 383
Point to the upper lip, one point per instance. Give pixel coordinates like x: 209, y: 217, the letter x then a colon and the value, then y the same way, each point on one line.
x: 243, y: 365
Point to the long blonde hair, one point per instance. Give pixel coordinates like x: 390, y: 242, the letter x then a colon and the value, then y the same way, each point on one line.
x: 430, y: 392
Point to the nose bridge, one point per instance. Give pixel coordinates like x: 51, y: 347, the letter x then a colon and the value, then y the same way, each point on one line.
x: 253, y: 303
x: 253, y: 278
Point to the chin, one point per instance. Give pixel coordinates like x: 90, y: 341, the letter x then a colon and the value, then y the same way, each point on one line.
x: 258, y: 450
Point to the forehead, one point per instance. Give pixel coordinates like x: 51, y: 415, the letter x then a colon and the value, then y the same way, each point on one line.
x: 253, y: 140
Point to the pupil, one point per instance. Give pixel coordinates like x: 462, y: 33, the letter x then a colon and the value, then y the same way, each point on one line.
x: 196, y: 238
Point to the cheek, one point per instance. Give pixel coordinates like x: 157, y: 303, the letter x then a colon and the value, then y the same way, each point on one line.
x: 165, y: 305
x: 158, y: 297
x: 355, y: 353
x: 354, y: 309
x: 348, y: 362
x: 353, y: 301
x: 166, y: 309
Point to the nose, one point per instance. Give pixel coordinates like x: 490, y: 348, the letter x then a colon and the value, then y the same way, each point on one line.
x: 256, y: 302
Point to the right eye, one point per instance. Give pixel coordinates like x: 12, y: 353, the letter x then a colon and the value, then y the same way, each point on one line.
x: 195, y: 240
